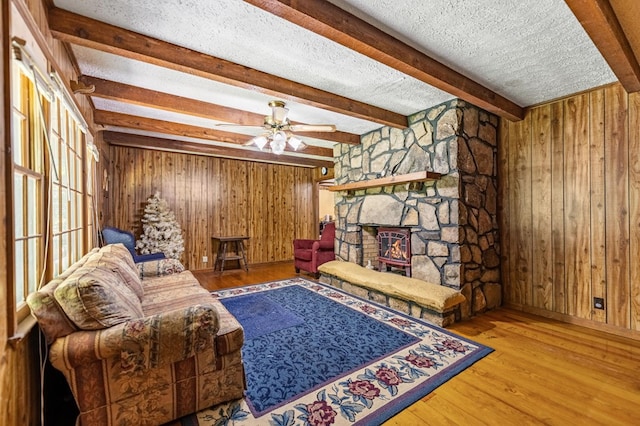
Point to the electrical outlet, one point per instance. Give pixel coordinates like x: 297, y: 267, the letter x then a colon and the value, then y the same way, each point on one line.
x: 205, y: 259
x: 598, y: 302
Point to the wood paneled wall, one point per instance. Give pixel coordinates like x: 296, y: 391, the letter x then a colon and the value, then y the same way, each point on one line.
x: 272, y: 204
x: 570, y: 208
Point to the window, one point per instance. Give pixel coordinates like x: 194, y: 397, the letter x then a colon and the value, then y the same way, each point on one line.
x: 28, y: 182
x: 66, y: 188
x: 51, y: 191
x: 91, y: 212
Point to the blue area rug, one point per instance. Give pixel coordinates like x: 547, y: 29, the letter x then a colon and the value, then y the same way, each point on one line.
x: 315, y: 355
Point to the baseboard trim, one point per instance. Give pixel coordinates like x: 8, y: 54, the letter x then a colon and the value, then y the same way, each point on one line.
x: 594, y: 325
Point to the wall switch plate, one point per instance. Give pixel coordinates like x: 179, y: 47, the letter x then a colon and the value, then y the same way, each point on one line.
x: 205, y: 259
x: 598, y: 302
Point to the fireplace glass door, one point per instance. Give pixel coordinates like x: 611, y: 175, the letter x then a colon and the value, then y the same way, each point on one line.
x: 394, y: 249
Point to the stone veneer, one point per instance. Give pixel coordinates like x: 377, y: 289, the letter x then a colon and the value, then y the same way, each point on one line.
x: 454, y: 228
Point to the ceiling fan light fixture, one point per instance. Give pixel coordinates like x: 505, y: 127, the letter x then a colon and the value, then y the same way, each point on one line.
x: 279, y: 112
x: 278, y: 130
x: 295, y: 143
x: 260, y: 141
x: 279, y: 142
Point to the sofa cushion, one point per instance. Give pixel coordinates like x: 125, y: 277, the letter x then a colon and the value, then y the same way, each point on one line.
x: 182, y: 290
x: 119, y: 266
x: 121, y: 251
x: 94, y: 297
x: 304, y: 254
x: 156, y: 268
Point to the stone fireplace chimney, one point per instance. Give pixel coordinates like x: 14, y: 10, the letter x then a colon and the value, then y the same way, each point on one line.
x: 452, y: 220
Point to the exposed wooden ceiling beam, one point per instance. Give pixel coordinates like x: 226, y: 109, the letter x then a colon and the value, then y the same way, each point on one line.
x: 601, y: 23
x: 150, y: 98
x: 83, y: 31
x: 161, y: 144
x: 328, y: 20
x: 108, y: 89
x: 109, y: 118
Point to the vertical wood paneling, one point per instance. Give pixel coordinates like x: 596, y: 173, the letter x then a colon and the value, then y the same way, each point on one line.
x: 520, y: 161
x: 129, y: 200
x: 288, y: 181
x: 308, y: 189
x: 593, y: 179
x: 504, y: 211
x: 597, y: 185
x: 168, y: 187
x: 557, y: 216
x: 634, y: 207
x: 542, y: 273
x: 156, y: 172
x: 223, y: 208
x: 181, y: 205
x: 617, y: 222
x: 258, y: 210
x: 193, y: 250
x: 147, y: 171
x: 273, y: 201
x: 200, y: 215
x: 577, y: 206
x: 117, y: 188
x: 272, y: 204
x: 215, y: 201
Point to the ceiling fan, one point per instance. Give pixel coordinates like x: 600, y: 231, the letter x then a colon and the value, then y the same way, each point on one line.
x: 279, y: 128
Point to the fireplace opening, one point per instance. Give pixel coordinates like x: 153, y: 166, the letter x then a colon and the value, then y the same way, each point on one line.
x: 394, y: 249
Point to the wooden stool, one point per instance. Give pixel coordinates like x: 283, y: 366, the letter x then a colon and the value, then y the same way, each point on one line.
x: 222, y: 257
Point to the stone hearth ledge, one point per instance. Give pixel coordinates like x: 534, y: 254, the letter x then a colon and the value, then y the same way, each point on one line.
x: 432, y: 302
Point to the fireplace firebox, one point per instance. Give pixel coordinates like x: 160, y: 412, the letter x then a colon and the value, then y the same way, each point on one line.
x: 394, y: 249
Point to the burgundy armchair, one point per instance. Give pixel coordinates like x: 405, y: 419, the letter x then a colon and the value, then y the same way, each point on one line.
x: 309, y: 254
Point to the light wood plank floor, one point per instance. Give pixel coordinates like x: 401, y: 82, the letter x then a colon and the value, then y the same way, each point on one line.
x: 542, y: 372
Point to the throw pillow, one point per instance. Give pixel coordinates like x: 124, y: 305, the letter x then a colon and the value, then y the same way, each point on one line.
x: 155, y: 268
x: 119, y: 266
x: 94, y: 297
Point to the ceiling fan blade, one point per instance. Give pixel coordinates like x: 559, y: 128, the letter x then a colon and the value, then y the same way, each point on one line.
x: 312, y: 128
x: 238, y: 126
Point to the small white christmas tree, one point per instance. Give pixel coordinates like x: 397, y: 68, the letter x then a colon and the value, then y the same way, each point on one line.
x: 161, y: 231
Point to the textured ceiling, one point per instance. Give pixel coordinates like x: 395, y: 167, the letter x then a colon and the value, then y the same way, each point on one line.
x: 527, y: 52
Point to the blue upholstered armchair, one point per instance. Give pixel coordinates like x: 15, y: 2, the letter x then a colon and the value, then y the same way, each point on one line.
x: 113, y: 235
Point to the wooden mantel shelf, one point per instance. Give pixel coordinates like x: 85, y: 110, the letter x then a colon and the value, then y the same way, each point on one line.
x: 387, y: 181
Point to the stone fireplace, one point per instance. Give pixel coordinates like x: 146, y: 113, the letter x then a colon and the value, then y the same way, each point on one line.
x: 452, y: 220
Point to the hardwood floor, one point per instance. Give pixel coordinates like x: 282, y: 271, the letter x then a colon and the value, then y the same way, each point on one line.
x: 542, y: 372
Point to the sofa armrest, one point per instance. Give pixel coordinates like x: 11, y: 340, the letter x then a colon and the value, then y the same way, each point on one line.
x: 143, y: 343
x: 303, y: 244
x: 137, y: 258
x: 323, y: 245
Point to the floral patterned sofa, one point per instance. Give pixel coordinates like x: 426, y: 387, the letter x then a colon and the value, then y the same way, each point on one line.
x: 139, y: 351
